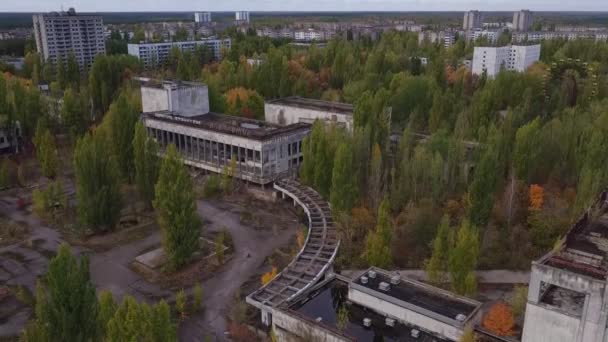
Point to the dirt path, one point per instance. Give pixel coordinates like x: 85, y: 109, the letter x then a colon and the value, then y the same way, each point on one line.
x: 251, y: 248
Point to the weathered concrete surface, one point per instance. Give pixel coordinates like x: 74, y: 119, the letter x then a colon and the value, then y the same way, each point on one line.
x: 483, y: 277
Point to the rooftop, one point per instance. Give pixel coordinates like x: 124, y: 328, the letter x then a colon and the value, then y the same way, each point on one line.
x: 421, y: 295
x: 301, y: 102
x: 228, y: 124
x: 585, y: 246
x: 155, y: 83
x: 322, y: 305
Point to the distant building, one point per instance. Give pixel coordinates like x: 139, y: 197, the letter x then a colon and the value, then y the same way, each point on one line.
x: 568, y: 288
x: 522, y: 20
x: 291, y: 110
x: 153, y: 54
x: 445, y: 38
x: 241, y: 17
x: 307, y: 35
x: 535, y: 36
x: 202, y: 17
x: 472, y: 20
x: 490, y: 35
x: 492, y: 60
x: 178, y: 113
x: 59, y: 34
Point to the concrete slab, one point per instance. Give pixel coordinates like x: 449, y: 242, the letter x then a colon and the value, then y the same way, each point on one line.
x: 153, y: 259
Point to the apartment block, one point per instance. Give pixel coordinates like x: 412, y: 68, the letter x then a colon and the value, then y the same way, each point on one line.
x: 492, y: 60
x: 58, y: 34
x: 241, y: 17
x: 523, y: 20
x: 472, y: 20
x: 202, y: 17
x: 153, y: 54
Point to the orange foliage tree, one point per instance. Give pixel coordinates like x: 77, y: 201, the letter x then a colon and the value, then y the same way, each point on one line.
x: 499, y: 319
x: 536, y: 195
x: 268, y: 276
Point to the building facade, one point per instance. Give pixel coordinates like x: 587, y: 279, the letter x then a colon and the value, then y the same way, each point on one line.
x: 491, y: 60
x: 178, y: 113
x: 59, y: 34
x: 523, y: 20
x: 202, y: 17
x: 472, y: 20
x: 292, y: 110
x: 241, y: 17
x: 153, y: 54
x: 567, y: 295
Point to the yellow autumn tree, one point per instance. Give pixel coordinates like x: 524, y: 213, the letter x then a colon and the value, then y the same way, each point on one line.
x: 536, y: 196
x: 268, y: 276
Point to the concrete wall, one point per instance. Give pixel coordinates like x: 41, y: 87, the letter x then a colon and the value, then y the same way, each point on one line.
x: 404, y: 315
x: 154, y: 99
x: 285, y: 115
x: 542, y: 325
x: 189, y: 101
x: 290, y: 328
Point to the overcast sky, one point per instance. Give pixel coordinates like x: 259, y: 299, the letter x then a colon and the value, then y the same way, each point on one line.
x: 300, y: 5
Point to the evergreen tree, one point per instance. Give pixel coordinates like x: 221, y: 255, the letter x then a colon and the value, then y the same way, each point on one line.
x: 176, y: 210
x: 145, y: 156
x: 344, y: 183
x: 47, y: 155
x: 97, y: 182
x: 107, y: 309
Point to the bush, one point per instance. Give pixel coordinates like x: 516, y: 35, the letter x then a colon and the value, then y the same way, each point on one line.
x: 212, y: 187
x: 198, y: 297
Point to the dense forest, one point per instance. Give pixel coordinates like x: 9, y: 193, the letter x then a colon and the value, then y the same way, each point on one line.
x: 443, y: 170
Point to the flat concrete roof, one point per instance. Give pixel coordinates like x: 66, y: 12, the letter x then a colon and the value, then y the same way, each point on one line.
x: 302, y: 102
x: 322, y: 305
x: 228, y: 124
x: 420, y: 295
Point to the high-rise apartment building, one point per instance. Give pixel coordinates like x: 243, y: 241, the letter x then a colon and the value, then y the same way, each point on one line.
x: 241, y: 17
x: 59, y: 34
x: 472, y: 20
x: 153, y: 54
x: 522, y: 20
x: 492, y: 60
x: 202, y: 17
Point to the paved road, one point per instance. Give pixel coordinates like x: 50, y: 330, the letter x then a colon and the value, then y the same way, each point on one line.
x: 251, y: 249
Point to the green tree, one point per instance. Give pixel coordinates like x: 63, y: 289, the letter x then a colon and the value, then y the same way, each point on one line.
x: 107, y: 309
x: 376, y: 178
x: 483, y: 187
x: 68, y: 309
x: 147, y: 163
x: 463, y: 259
x: 72, y: 71
x: 176, y: 210
x: 46, y: 151
x: 122, y: 118
x: 97, y: 182
x: 344, y: 187
x: 181, y: 303
x: 128, y: 322
x: 526, y: 152
x: 73, y: 114
x: 378, y: 244
x: 198, y: 297
x: 437, y: 265
x: 61, y: 73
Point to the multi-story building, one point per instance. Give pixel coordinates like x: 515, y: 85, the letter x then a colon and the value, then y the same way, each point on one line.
x: 522, y: 20
x: 153, y: 54
x: 568, y: 292
x: 59, y: 34
x: 241, y: 17
x: 202, y: 17
x: 307, y: 35
x: 178, y: 113
x: 490, y: 35
x: 291, y: 110
x: 534, y: 36
x: 492, y: 60
x: 472, y: 20
x: 445, y: 38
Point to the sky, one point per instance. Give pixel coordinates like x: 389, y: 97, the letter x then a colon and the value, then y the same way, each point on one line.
x: 300, y: 5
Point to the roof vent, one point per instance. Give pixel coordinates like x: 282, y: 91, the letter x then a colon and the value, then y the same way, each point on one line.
x: 461, y: 317
x: 384, y: 286
x: 371, y: 274
x: 415, y: 333
x: 389, y: 322
x: 395, y: 279
x: 364, y: 280
x: 367, y: 322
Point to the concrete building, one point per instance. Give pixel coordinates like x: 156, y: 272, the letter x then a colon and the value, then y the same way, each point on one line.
x: 523, y: 20
x: 446, y: 38
x: 153, y: 54
x: 241, y: 17
x: 380, y: 306
x: 535, y: 36
x: 492, y: 60
x: 178, y: 113
x: 59, y: 34
x: 472, y: 20
x: 568, y: 293
x: 291, y: 110
x: 490, y: 35
x: 202, y: 17
x: 307, y: 35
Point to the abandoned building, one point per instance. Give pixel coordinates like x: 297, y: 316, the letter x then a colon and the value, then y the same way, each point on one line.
x: 294, y: 109
x: 567, y: 295
x: 178, y: 113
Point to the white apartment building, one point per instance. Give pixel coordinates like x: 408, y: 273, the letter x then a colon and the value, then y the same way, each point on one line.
x: 490, y: 35
x: 445, y: 38
x: 522, y: 20
x: 153, y: 54
x: 494, y: 59
x: 307, y: 35
x: 241, y: 16
x: 472, y: 20
x: 59, y: 34
x: 202, y: 17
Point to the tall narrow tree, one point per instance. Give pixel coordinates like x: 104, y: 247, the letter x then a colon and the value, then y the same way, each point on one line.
x: 145, y: 155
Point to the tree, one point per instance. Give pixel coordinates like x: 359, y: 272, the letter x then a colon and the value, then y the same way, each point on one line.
x: 268, y: 276
x: 376, y: 179
x: 73, y: 113
x: 499, y: 320
x: 97, y: 182
x: 134, y: 321
x: 344, y: 187
x: 483, y: 187
x: 72, y: 71
x: 61, y: 73
x: 181, y: 302
x: 526, y: 151
x: 342, y: 318
x: 468, y: 335
x: 463, y: 259
x: 46, y: 151
x: 198, y: 297
x: 437, y: 265
x: 378, y: 244
x: 536, y: 197
x: 518, y: 301
x: 68, y: 309
x: 122, y: 118
x: 145, y: 157
x: 107, y: 309
x: 175, y: 205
